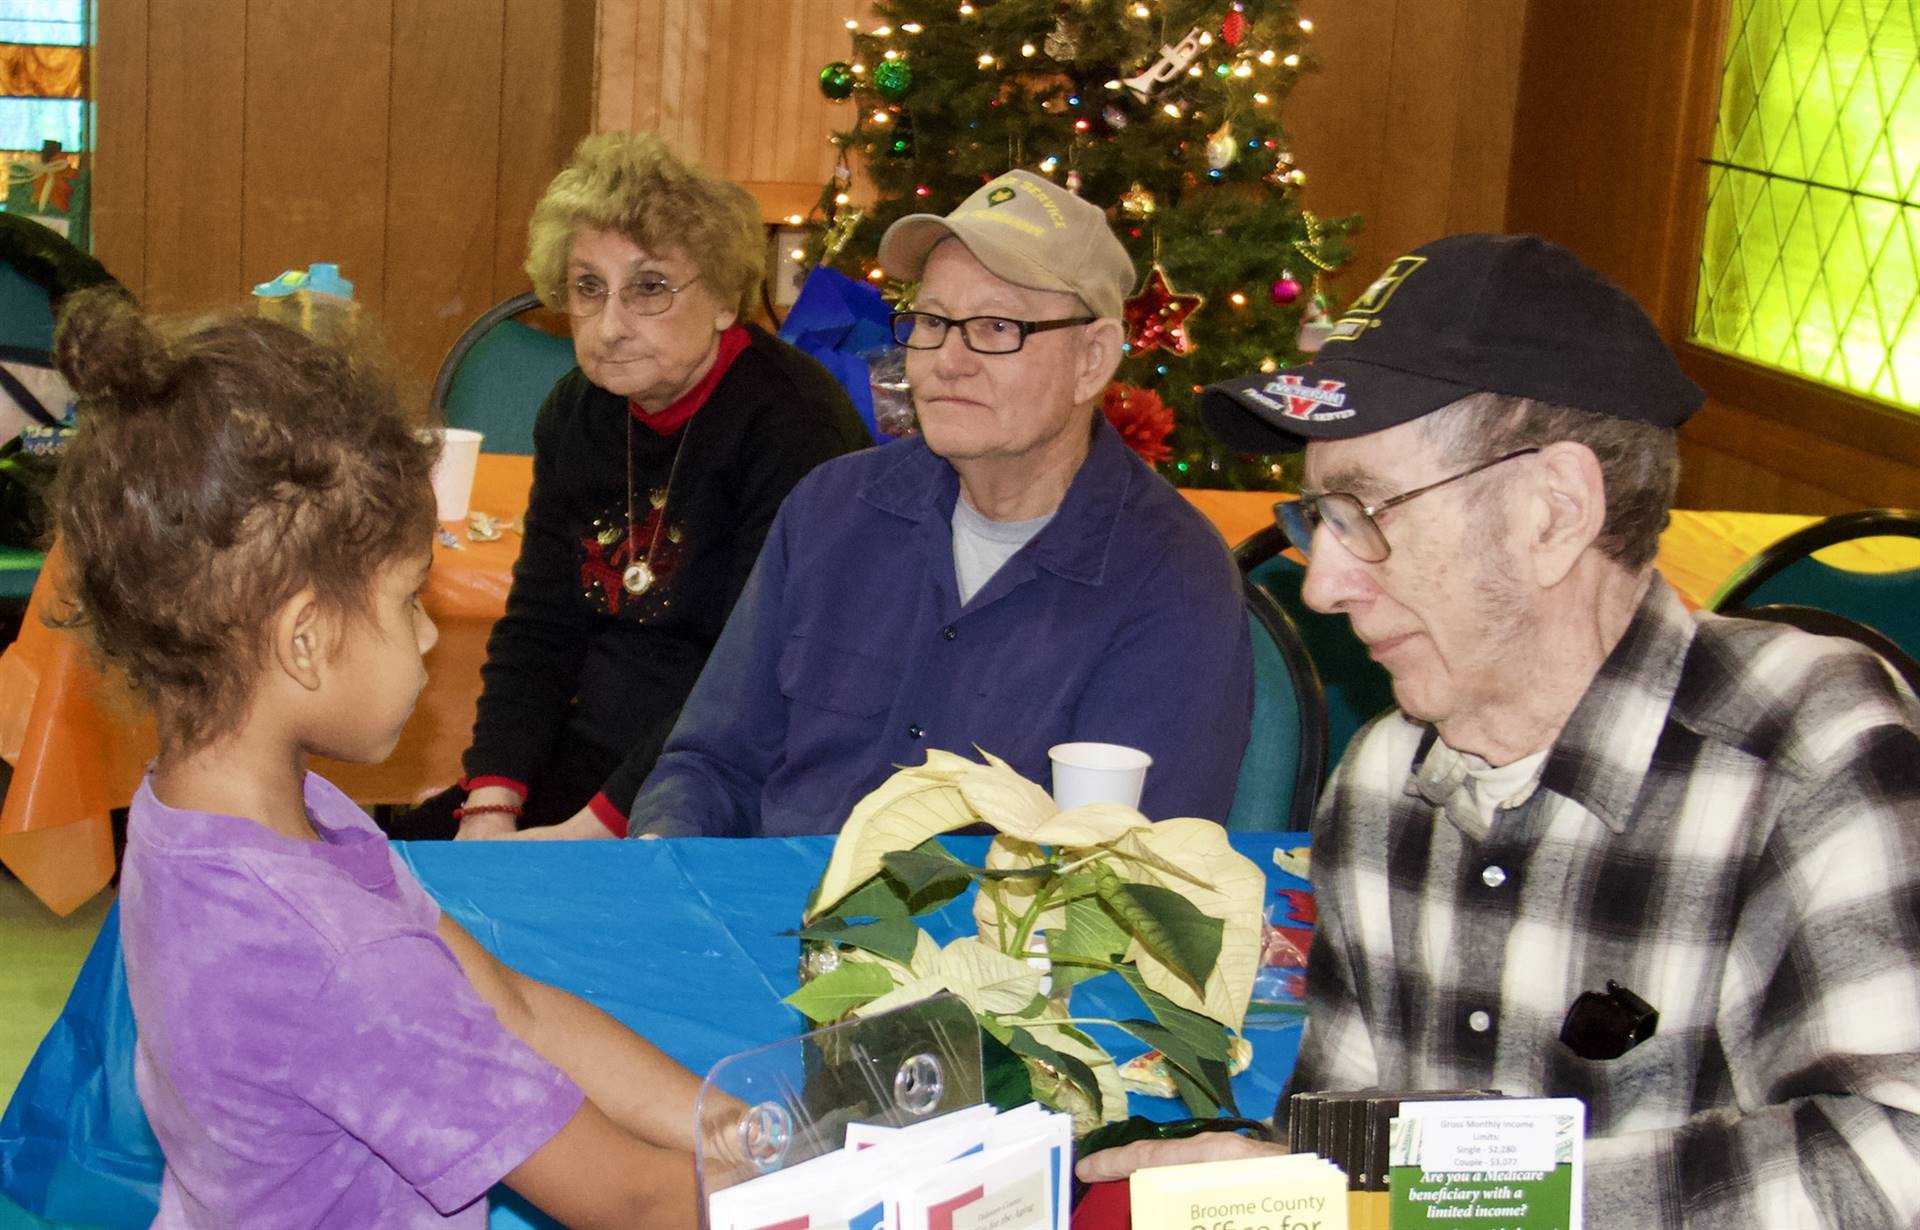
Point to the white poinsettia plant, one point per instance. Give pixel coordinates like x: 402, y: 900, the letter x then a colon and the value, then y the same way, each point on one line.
x: 1064, y: 896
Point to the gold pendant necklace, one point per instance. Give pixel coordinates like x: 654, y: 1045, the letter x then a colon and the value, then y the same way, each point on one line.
x: 639, y: 575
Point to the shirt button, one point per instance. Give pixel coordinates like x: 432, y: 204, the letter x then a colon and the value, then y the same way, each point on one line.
x: 914, y: 732
x: 1493, y: 877
x: 1479, y: 1022
x: 949, y: 632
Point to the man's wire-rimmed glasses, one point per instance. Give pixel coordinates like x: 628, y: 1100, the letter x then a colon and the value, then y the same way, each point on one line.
x: 1351, y: 521
x: 982, y: 334
x: 650, y: 295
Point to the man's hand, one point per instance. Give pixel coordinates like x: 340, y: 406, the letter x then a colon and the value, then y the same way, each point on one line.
x: 1206, y: 1147
x: 489, y: 824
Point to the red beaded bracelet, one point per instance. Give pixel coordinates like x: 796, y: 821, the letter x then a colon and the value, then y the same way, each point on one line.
x: 511, y: 809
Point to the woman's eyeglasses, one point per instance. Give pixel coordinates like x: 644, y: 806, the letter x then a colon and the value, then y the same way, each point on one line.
x: 1351, y: 521
x: 649, y: 296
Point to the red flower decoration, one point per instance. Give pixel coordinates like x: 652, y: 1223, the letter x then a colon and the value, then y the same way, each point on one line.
x: 1141, y: 418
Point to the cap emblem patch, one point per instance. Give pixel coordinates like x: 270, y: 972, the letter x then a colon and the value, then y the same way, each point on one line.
x: 1324, y: 400
x: 1000, y: 195
x: 1375, y: 297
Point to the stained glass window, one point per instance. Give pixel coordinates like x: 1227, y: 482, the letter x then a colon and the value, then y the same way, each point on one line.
x: 46, y: 117
x: 1811, y: 259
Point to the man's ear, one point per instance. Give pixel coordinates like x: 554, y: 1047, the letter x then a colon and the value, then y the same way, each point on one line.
x: 1570, y: 509
x: 300, y: 640
x: 1099, y: 359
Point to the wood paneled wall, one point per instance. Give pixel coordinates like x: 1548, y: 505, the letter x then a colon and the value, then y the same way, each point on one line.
x: 1408, y: 122
x: 406, y: 140
x: 733, y: 84
x: 1616, y: 108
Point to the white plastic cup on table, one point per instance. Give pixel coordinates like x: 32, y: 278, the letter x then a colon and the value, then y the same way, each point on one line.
x: 453, y: 472
x: 1097, y: 773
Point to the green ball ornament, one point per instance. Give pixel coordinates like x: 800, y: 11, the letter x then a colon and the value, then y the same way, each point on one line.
x: 836, y: 80
x: 893, y: 79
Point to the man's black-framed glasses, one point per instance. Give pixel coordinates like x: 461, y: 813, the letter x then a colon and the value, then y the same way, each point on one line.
x: 982, y: 334
x: 648, y: 295
x: 1351, y: 521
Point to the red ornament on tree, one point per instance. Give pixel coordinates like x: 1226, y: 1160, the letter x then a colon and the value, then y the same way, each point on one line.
x: 1234, y: 28
x: 1141, y: 418
x: 1286, y: 290
x: 1157, y: 316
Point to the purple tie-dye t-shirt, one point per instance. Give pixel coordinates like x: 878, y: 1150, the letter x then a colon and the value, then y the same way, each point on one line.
x: 310, y: 1052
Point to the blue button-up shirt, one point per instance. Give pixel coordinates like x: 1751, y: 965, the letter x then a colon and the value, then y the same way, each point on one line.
x: 849, y: 652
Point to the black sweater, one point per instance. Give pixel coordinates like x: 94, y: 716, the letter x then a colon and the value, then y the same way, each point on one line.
x: 575, y: 657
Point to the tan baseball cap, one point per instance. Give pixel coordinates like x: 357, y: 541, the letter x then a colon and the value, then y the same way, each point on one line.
x: 1026, y: 230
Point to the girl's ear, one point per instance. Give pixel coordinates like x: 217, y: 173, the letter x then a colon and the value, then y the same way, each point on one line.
x: 299, y: 640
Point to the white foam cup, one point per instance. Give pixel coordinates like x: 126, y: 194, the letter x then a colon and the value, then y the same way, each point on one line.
x: 453, y: 472
x: 1097, y: 773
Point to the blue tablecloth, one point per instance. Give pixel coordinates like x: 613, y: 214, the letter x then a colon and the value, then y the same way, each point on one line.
x: 679, y: 939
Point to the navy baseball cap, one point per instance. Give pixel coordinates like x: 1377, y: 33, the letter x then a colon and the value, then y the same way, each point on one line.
x: 1467, y: 314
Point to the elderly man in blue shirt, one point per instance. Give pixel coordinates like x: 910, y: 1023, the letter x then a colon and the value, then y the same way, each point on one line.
x: 1012, y: 578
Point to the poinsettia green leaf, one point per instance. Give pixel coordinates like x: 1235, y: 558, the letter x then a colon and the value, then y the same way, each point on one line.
x: 1068, y: 1040
x: 1072, y: 1067
x: 834, y: 994
x: 877, y: 898
x: 1230, y: 888
x: 903, y: 811
x: 928, y: 876
x: 1091, y: 933
x: 1200, y: 1034
x: 893, y: 938
x: 1204, y: 1085
x: 1166, y: 924
x: 1203, y: 1097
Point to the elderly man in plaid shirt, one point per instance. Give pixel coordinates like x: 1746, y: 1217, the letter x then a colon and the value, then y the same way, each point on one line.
x: 1588, y: 794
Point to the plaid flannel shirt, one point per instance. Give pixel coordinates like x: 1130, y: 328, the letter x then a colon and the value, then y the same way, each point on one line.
x: 1729, y: 825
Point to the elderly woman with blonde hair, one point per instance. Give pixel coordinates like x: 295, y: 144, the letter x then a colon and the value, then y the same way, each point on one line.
x: 659, y: 462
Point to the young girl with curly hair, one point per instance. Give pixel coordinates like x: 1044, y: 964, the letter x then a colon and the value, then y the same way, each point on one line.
x: 247, y: 522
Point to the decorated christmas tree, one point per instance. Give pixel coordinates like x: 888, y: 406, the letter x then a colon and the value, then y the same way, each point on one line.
x: 1165, y: 112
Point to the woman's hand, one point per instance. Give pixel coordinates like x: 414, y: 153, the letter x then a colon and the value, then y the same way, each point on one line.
x: 582, y: 825
x: 482, y: 825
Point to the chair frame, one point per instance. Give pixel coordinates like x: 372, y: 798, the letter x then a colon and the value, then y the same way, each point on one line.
x: 506, y: 309
x: 1311, y: 767
x: 1764, y: 566
x: 1259, y: 547
x: 1826, y: 623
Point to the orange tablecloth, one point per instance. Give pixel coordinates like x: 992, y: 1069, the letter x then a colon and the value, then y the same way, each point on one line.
x: 78, y: 750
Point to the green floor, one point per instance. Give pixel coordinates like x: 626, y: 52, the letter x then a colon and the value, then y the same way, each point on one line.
x: 39, y: 957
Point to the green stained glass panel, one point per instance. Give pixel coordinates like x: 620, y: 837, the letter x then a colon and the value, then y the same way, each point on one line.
x: 1811, y: 253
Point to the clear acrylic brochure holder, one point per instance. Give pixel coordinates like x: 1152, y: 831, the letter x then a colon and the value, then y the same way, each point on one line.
x: 778, y: 1105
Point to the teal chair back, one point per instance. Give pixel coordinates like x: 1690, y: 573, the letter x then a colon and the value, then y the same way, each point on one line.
x: 26, y: 336
x: 498, y: 372
x: 1357, y: 688
x: 1286, y: 755
x: 26, y: 311
x: 1786, y: 574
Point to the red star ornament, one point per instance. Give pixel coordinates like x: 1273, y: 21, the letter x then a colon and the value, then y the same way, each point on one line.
x: 1157, y: 316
